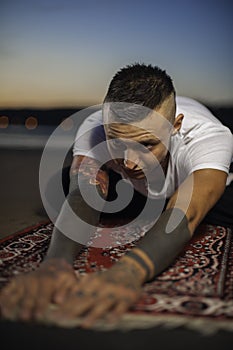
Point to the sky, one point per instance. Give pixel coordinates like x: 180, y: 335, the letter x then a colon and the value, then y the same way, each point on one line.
x: 64, y: 53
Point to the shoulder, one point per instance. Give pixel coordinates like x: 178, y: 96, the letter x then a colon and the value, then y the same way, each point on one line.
x: 92, y: 126
x: 93, y: 119
x: 204, y: 142
x: 195, y: 111
x: 198, y: 120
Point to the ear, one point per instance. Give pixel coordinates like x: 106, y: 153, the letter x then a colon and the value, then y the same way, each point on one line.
x: 177, y: 124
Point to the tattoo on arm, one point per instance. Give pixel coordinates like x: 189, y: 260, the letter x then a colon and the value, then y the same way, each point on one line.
x: 160, y: 246
x: 87, y: 171
x: 118, y: 272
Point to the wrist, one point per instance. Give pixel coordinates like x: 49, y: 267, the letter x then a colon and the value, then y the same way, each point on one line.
x: 144, y: 263
x: 55, y: 264
x: 133, y: 266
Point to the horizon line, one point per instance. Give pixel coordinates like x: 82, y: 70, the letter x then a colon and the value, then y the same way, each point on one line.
x: 26, y: 107
x: 47, y: 107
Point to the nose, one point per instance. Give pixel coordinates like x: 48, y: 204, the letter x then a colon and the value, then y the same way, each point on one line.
x: 131, y: 160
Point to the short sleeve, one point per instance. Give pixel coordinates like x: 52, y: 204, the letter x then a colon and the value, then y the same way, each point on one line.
x: 89, y: 135
x: 212, y: 147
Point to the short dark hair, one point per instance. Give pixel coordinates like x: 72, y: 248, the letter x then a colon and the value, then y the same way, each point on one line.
x: 140, y: 84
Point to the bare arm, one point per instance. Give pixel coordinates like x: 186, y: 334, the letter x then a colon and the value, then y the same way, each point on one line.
x: 208, y: 186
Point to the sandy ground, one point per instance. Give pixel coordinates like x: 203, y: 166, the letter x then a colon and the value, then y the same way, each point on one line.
x: 20, y: 199
x: 21, y: 205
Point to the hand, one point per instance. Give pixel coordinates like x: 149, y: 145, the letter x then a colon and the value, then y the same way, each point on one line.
x: 28, y: 295
x: 106, y: 294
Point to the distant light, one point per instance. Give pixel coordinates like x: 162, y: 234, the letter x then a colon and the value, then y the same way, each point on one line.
x: 67, y: 124
x: 31, y: 123
x: 4, y: 122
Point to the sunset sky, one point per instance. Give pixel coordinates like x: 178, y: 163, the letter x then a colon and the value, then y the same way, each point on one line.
x: 65, y: 52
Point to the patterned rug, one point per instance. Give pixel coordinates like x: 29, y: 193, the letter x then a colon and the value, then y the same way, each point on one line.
x: 195, y: 292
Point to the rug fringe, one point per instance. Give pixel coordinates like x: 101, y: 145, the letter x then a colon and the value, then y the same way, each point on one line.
x: 206, y: 326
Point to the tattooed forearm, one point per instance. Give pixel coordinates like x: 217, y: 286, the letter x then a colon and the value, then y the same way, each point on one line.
x: 84, y: 171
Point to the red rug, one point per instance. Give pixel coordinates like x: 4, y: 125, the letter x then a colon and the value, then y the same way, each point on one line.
x: 195, y: 292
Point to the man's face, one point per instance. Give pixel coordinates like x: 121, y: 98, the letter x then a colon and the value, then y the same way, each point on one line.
x: 139, y: 147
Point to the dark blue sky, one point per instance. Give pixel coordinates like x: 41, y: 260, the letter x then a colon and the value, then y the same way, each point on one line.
x: 57, y: 53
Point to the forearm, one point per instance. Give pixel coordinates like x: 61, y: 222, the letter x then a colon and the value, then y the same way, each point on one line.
x: 62, y: 245
x: 77, y: 220
x: 159, y: 247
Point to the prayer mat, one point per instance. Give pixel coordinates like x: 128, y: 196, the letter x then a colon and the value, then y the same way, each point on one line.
x: 196, y: 291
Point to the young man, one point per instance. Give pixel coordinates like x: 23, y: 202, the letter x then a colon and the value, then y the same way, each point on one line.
x: 169, y: 148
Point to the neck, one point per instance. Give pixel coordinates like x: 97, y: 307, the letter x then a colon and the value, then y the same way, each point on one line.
x: 164, y: 164
x: 156, y: 180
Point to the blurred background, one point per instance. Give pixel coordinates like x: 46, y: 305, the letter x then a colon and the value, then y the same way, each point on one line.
x: 58, y: 57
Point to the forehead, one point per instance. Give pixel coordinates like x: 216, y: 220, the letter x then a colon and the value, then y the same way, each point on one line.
x: 154, y: 126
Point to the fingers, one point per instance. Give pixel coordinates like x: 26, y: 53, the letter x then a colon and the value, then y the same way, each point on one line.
x: 62, y: 293
x: 43, y: 299
x: 89, y: 298
x: 25, y: 298
x: 93, y: 302
x: 99, y: 310
x: 118, y: 311
x: 52, y: 291
x: 27, y: 303
x: 29, y: 296
x: 89, y: 307
x: 79, y: 302
x: 10, y: 297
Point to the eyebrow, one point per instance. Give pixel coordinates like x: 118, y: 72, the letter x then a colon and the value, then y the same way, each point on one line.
x: 152, y: 141
x: 149, y: 140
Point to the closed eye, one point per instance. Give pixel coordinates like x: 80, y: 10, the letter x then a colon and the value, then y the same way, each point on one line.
x: 150, y: 145
x: 147, y: 145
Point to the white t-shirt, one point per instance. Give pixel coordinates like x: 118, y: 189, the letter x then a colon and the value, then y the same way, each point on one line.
x: 202, y: 142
